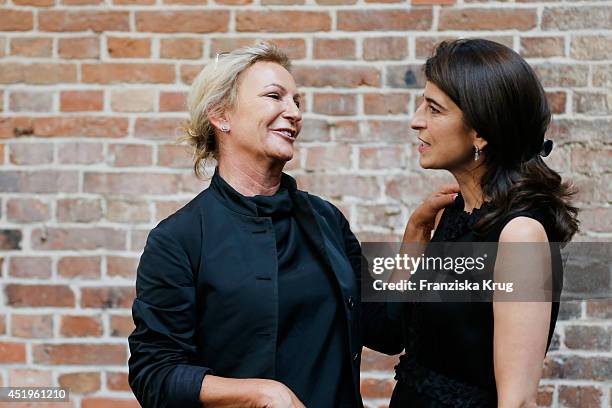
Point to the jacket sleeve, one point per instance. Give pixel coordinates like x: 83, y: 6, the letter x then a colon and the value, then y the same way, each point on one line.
x: 381, y: 329
x: 162, y: 349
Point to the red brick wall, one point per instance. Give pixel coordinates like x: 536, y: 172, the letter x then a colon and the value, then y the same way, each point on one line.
x: 92, y: 92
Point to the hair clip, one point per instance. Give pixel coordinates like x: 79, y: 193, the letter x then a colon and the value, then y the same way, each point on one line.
x: 219, y: 55
x: 547, y: 147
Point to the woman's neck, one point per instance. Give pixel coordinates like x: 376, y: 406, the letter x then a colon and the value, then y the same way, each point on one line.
x: 250, y: 179
x: 469, y: 184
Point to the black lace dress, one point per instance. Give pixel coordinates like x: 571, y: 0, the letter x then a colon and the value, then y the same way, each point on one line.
x: 449, y: 346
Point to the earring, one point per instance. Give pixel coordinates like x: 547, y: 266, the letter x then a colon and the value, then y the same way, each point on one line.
x: 476, y: 153
x: 225, y: 128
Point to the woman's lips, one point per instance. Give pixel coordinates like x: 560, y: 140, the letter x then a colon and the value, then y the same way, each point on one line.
x: 423, y: 146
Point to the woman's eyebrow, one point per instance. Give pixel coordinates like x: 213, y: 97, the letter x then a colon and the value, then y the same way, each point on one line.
x: 434, y: 102
x: 276, y: 85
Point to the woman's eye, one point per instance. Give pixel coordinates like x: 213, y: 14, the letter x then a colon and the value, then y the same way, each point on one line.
x: 433, y: 110
x: 273, y: 95
x: 297, y: 103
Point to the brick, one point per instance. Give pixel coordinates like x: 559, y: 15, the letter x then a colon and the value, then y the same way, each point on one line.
x: 182, y: 21
x: 125, y: 47
x: 84, y: 267
x: 385, y: 48
x: 30, y: 153
x: 599, y: 309
x: 131, y: 183
x: 48, y: 181
x: 80, y: 153
x: 411, y: 189
x: 573, y: 367
x: 579, y: 130
x: 81, y: 126
x: 385, y: 20
x: 593, y: 103
x: 335, y: 104
x: 122, y: 266
x: 405, y: 76
x: 24, y: 101
x: 385, y: 104
x: 35, y: 3
x: 101, y: 402
x: 124, y: 155
x: 24, y: 377
x: 79, y: 238
x: 133, y: 100
x: 11, y: 352
x: 35, y: 47
x: 80, y: 382
x: 556, y: 101
x: 383, y: 157
x: 37, y: 73
x: 188, y: 72
x: 81, y: 2
x: 580, y: 396
x: 431, y: 2
x: 334, y: 48
x: 575, y: 18
x: 83, y: 20
x: 181, y: 48
x: 377, y: 387
x: 129, y: 211
x: 116, y: 381
x: 112, y: 73
x: 542, y: 47
x: 602, y: 75
x: 158, y: 129
x: 335, y: 2
x: 172, y: 101
x: 545, y: 395
x: 30, y: 267
x: 333, y: 186
x: 175, y: 156
x: 337, y: 76
x: 80, y: 326
x: 295, y: 48
x: 385, y: 216
x: 283, y: 21
x: 79, y: 48
x: 80, y: 354
x: 39, y: 295
x: 81, y: 101
x: 580, y: 337
x: 32, y: 326
x: 27, y: 210
x: 163, y: 209
x: 16, y: 20
x: 328, y: 157
x: 107, y: 297
x: 591, y: 47
x: 199, y: 2
x: 10, y: 239
x: 487, y: 19
x: 372, y: 130
x: 374, y: 361
x: 121, y: 326
x: 565, y: 75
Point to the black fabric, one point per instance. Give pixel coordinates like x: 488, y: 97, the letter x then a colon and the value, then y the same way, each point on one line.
x: 208, y: 301
x: 449, y: 346
x: 308, y: 320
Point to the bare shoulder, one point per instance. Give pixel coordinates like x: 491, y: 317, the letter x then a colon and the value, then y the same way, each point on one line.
x: 523, y: 229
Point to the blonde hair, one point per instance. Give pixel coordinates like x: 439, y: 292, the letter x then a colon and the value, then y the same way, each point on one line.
x: 215, y: 90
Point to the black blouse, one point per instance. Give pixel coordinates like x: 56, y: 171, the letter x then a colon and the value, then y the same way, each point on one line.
x: 449, y: 346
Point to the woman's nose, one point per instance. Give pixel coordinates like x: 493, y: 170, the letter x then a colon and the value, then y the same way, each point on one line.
x: 292, y: 111
x: 418, y: 120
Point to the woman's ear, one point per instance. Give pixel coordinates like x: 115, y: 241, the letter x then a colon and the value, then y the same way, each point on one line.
x: 478, y: 141
x: 219, y: 119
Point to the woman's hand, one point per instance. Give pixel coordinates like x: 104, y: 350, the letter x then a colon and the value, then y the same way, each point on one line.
x: 220, y: 392
x: 423, y: 219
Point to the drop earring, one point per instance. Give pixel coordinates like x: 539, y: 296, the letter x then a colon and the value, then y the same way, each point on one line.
x: 476, y: 153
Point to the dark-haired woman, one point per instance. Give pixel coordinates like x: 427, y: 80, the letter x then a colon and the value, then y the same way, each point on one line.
x: 483, y: 117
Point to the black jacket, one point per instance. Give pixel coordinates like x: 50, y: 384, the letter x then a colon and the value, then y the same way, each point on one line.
x: 206, y: 295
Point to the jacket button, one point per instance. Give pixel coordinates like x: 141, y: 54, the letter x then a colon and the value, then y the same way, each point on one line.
x: 350, y: 302
x: 355, y: 356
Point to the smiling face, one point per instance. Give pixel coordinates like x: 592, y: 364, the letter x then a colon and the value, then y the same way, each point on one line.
x: 266, y: 118
x: 445, y: 141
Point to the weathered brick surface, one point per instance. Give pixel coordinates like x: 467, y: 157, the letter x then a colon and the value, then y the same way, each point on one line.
x: 92, y: 100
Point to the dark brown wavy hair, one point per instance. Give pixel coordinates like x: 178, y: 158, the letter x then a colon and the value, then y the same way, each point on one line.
x: 503, y: 101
